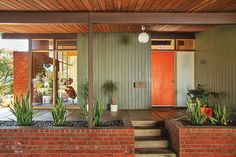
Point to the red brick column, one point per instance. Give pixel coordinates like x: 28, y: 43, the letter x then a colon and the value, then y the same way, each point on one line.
x: 66, y: 142
x: 21, y: 73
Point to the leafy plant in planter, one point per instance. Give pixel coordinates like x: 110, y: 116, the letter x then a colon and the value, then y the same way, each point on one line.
x: 97, y: 113
x: 194, y: 114
x: 59, y: 114
x: 110, y: 89
x: 203, y: 95
x: 23, y: 111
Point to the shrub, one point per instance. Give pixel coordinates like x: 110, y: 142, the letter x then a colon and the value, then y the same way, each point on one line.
x: 201, y: 93
x: 59, y: 114
x: 23, y: 111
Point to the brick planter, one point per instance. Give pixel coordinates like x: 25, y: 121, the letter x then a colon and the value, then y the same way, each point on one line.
x: 202, y: 141
x: 66, y: 142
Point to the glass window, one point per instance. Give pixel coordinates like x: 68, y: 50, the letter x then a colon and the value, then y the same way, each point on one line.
x: 42, y: 75
x: 185, y: 75
x: 54, y: 71
x: 14, y: 44
x: 67, y: 71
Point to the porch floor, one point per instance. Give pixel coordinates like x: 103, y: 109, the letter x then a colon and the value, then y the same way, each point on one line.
x: 156, y: 114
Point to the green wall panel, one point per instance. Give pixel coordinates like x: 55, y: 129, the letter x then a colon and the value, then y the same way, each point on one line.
x: 217, y: 46
x: 121, y: 58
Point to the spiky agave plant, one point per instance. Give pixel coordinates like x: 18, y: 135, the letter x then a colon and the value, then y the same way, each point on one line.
x: 84, y: 90
x: 59, y: 114
x: 194, y: 114
x: 23, y: 111
x: 85, y: 112
x: 97, y: 113
x: 221, y: 114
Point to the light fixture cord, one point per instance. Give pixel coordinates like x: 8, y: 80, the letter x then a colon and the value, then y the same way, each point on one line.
x: 143, y: 28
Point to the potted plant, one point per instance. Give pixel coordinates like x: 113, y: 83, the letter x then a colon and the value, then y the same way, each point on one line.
x: 203, y: 96
x: 47, y: 96
x: 110, y: 89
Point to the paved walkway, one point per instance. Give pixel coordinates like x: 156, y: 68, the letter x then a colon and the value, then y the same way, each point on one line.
x: 157, y: 114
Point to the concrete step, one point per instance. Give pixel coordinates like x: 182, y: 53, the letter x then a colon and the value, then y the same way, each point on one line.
x: 154, y: 152
x: 144, y: 123
x: 151, y: 142
x: 148, y: 123
x: 148, y: 131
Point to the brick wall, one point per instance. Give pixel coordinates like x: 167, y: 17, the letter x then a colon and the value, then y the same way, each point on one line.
x: 21, y: 73
x: 203, y: 141
x: 173, y: 132
x: 66, y: 142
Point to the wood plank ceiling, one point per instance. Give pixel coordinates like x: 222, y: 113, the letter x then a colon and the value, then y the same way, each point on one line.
x: 120, y: 5
x: 175, y: 6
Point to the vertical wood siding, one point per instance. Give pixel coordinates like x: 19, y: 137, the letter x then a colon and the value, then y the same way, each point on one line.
x: 217, y: 46
x: 121, y: 58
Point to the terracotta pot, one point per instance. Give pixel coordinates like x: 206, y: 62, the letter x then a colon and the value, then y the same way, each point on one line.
x: 207, y: 111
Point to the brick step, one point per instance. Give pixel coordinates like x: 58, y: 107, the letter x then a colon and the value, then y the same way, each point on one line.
x: 149, y: 131
x: 154, y: 152
x: 151, y: 142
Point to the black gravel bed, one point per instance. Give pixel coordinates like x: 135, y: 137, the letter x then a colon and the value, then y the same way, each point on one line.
x: 80, y: 123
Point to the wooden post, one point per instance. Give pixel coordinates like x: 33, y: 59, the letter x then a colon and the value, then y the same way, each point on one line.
x: 90, y: 70
x: 30, y: 71
x: 54, y: 99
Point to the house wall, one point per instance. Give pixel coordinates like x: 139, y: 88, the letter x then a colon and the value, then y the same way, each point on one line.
x: 21, y: 73
x: 216, y: 61
x: 121, y: 58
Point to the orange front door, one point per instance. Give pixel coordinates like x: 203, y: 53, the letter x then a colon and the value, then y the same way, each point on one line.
x: 162, y: 72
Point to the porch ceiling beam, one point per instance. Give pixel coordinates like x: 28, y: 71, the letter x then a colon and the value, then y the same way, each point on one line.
x: 116, y: 18
x: 165, y: 18
x: 43, y: 17
x: 39, y: 36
